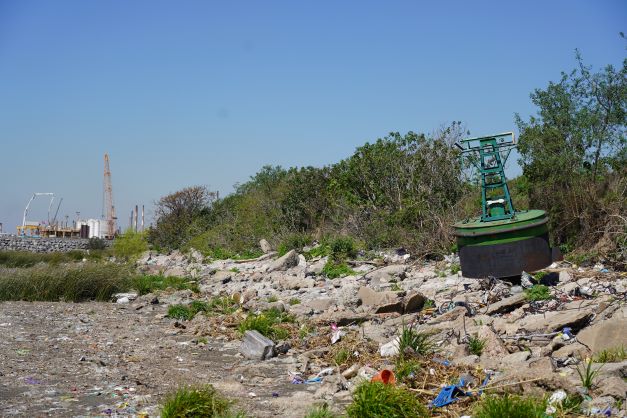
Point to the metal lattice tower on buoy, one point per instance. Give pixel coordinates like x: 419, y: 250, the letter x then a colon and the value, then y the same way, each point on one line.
x: 107, y: 200
x: 502, y: 241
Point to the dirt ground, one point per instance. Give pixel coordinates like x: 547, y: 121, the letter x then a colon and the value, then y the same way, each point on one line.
x: 106, y: 359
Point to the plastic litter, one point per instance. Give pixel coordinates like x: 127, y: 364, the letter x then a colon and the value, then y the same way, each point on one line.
x: 526, y: 280
x: 385, y: 376
x: 451, y: 393
x: 556, y: 399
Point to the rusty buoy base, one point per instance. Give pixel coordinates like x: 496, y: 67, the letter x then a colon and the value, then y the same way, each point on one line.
x: 504, y: 248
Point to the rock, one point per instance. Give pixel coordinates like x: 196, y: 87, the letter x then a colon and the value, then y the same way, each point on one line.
x: 565, y: 277
x: 507, y: 304
x: 195, y: 256
x: 302, y: 261
x: 320, y: 304
x: 493, y: 347
x: 388, y: 272
x: 612, y: 386
x: 256, y: 346
x: 175, y: 271
x: 390, y: 349
x: 315, y: 269
x: 571, y: 350
x: 265, y: 246
x: 289, y: 260
x: 413, y: 302
x: 351, y: 371
x: 554, y: 321
x: 124, y: 297
x: 466, y: 361
x: 609, y: 333
x: 383, y: 302
x: 515, y: 360
x: 294, y: 283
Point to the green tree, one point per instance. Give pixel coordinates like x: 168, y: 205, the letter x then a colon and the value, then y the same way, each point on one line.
x: 573, y: 151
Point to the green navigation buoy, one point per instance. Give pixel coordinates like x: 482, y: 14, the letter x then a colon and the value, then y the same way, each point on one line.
x: 501, y: 242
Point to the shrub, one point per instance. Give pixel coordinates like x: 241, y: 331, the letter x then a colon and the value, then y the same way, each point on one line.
x: 343, y: 248
x: 224, y: 305
x: 130, y: 245
x: 96, y: 243
x: 405, y: 368
x: 476, y: 345
x: 294, y: 301
x: 375, y: 399
x: 74, y: 283
x: 21, y: 259
x: 199, y: 401
x: 537, y: 292
x: 179, y: 311
x: 149, y: 283
x: 341, y: 356
x: 493, y: 406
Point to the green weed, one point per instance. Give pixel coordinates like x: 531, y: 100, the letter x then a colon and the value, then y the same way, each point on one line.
x: 272, y: 298
x: 511, y: 406
x: 537, y: 292
x: 199, y: 401
x: 456, y: 268
x: 130, y: 245
x: 405, y: 368
x: 375, y: 399
x: 320, y: 411
x: 333, y: 270
x: 22, y: 259
x: 476, y: 345
x: 418, y: 342
x: 294, y: 241
x: 341, y: 356
x: 294, y: 301
x: 588, y: 373
x: 267, y: 323
x: 611, y: 355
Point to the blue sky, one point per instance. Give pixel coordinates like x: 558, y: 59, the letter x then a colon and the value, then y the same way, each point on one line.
x: 206, y: 92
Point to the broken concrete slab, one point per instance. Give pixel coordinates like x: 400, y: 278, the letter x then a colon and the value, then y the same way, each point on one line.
x: 256, y: 346
x: 611, y: 333
x: 507, y: 304
x: 382, y: 302
x: 285, y: 262
x: 413, y: 302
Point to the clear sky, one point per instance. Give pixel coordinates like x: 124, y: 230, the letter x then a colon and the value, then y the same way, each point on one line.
x: 206, y: 92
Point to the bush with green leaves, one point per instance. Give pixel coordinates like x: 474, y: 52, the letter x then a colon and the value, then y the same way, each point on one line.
x: 96, y: 243
x: 197, y: 401
x: 130, y: 245
x: 375, y: 399
x: 476, y: 345
x: 320, y: 411
x: 294, y: 241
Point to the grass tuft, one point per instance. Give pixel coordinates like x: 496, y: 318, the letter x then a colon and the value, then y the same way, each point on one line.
x: 611, y: 355
x: 493, y: 406
x: 588, y: 374
x: 320, y: 411
x: 420, y: 343
x: 200, y: 401
x: 476, y: 345
x: 267, y: 323
x: 375, y: 399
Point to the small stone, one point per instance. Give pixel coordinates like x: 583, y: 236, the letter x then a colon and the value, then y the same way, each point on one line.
x: 256, y: 346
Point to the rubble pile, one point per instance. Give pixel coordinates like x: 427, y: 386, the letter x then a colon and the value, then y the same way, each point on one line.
x: 532, y: 343
x: 417, y: 324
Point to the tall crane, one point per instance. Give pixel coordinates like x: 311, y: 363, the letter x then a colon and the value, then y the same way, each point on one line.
x: 107, y: 200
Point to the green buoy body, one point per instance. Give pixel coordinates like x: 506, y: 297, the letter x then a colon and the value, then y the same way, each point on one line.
x: 504, y: 248
x: 502, y: 241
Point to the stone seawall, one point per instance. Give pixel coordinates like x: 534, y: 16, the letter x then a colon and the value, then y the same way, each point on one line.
x: 43, y: 245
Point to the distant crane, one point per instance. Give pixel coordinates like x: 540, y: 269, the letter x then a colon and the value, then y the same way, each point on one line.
x: 30, y: 201
x: 107, y: 200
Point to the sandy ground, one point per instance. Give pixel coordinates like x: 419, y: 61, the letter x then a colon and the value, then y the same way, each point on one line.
x: 105, y: 359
